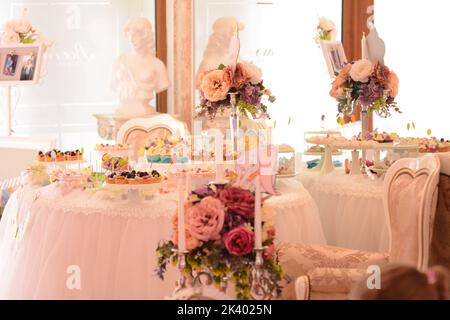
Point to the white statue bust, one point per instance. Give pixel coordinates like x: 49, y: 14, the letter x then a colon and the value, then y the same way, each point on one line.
x: 138, y: 75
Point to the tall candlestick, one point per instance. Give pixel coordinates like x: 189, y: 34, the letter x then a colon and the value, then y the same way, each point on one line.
x: 258, y: 222
x: 181, y: 227
x: 220, y: 176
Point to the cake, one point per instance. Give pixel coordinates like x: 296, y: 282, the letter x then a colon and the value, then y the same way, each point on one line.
x: 114, y: 163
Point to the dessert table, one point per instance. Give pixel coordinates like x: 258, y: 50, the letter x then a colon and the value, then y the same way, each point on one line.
x: 49, y: 235
x: 351, y: 209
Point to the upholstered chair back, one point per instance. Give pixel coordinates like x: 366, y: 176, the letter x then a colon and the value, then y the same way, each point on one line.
x: 138, y: 132
x: 410, y: 197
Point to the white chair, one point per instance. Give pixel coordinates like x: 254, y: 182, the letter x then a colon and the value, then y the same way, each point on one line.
x: 410, y: 197
x: 138, y: 131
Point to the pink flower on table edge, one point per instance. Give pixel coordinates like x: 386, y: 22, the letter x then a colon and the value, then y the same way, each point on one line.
x: 392, y: 84
x: 205, y: 219
x: 191, y: 242
x: 240, y: 77
x: 361, y: 70
x: 215, y: 85
x: 239, y: 241
x: 10, y: 37
x: 238, y: 201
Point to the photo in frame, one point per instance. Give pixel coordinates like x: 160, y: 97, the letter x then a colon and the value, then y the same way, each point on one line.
x: 334, y: 54
x: 20, y: 64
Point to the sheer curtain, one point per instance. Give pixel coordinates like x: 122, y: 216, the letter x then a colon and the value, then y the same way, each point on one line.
x: 88, y: 37
x: 278, y: 37
x: 415, y: 33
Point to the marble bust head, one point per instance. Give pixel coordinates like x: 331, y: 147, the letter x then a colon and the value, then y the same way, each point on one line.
x: 138, y: 75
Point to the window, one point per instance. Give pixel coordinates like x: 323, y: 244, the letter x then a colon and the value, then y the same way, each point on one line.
x: 416, y: 49
x: 88, y: 37
x: 278, y: 37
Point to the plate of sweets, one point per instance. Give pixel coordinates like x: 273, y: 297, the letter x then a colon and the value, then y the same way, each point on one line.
x: 56, y: 155
x: 113, y: 148
x: 134, y: 178
x: 167, y: 150
x: 109, y: 162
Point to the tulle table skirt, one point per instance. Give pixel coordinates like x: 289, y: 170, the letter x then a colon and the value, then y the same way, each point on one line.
x: 351, y: 209
x: 87, y: 245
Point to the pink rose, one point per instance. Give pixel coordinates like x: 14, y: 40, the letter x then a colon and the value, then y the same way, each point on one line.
x: 215, y: 85
x: 191, y: 242
x: 241, y: 77
x: 238, y: 201
x: 239, y: 241
x: 392, y: 84
x: 269, y: 253
x: 205, y: 220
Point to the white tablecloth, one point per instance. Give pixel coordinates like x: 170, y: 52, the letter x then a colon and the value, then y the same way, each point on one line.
x: 45, y: 237
x: 351, y: 209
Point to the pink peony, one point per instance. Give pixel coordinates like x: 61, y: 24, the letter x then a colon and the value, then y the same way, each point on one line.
x: 205, y: 220
x: 241, y: 77
x: 269, y: 253
x: 215, y: 85
x: 392, y: 84
x: 239, y: 241
x: 191, y: 242
x: 340, y: 80
x: 253, y: 72
x: 239, y: 201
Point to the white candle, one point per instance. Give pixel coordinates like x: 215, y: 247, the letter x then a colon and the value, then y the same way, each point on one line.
x: 181, y: 228
x: 364, y: 48
x: 258, y: 222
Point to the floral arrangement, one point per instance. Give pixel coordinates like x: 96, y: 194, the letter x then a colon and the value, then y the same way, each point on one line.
x: 220, y: 239
x: 373, y: 86
x: 21, y: 30
x: 18, y: 31
x: 245, y: 80
x: 326, y: 30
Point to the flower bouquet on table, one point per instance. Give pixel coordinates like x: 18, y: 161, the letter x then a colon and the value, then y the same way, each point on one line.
x: 244, y: 80
x: 219, y: 224
x: 326, y: 30
x: 373, y: 86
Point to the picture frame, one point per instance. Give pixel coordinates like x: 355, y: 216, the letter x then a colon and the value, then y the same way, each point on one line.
x: 334, y: 54
x: 20, y: 64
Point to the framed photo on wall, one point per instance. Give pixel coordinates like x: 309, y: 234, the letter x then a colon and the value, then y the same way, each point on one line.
x: 334, y: 54
x: 20, y: 64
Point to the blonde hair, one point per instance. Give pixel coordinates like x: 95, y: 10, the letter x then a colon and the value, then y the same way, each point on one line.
x: 399, y: 282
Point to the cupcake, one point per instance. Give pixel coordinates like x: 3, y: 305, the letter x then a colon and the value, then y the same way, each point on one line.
x: 41, y: 156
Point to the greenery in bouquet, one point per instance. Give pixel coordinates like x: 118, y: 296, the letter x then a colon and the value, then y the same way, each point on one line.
x: 373, y: 86
x: 245, y: 80
x: 220, y: 239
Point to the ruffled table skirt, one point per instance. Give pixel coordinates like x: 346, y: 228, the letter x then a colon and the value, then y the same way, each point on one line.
x: 351, y: 210
x: 89, y: 245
